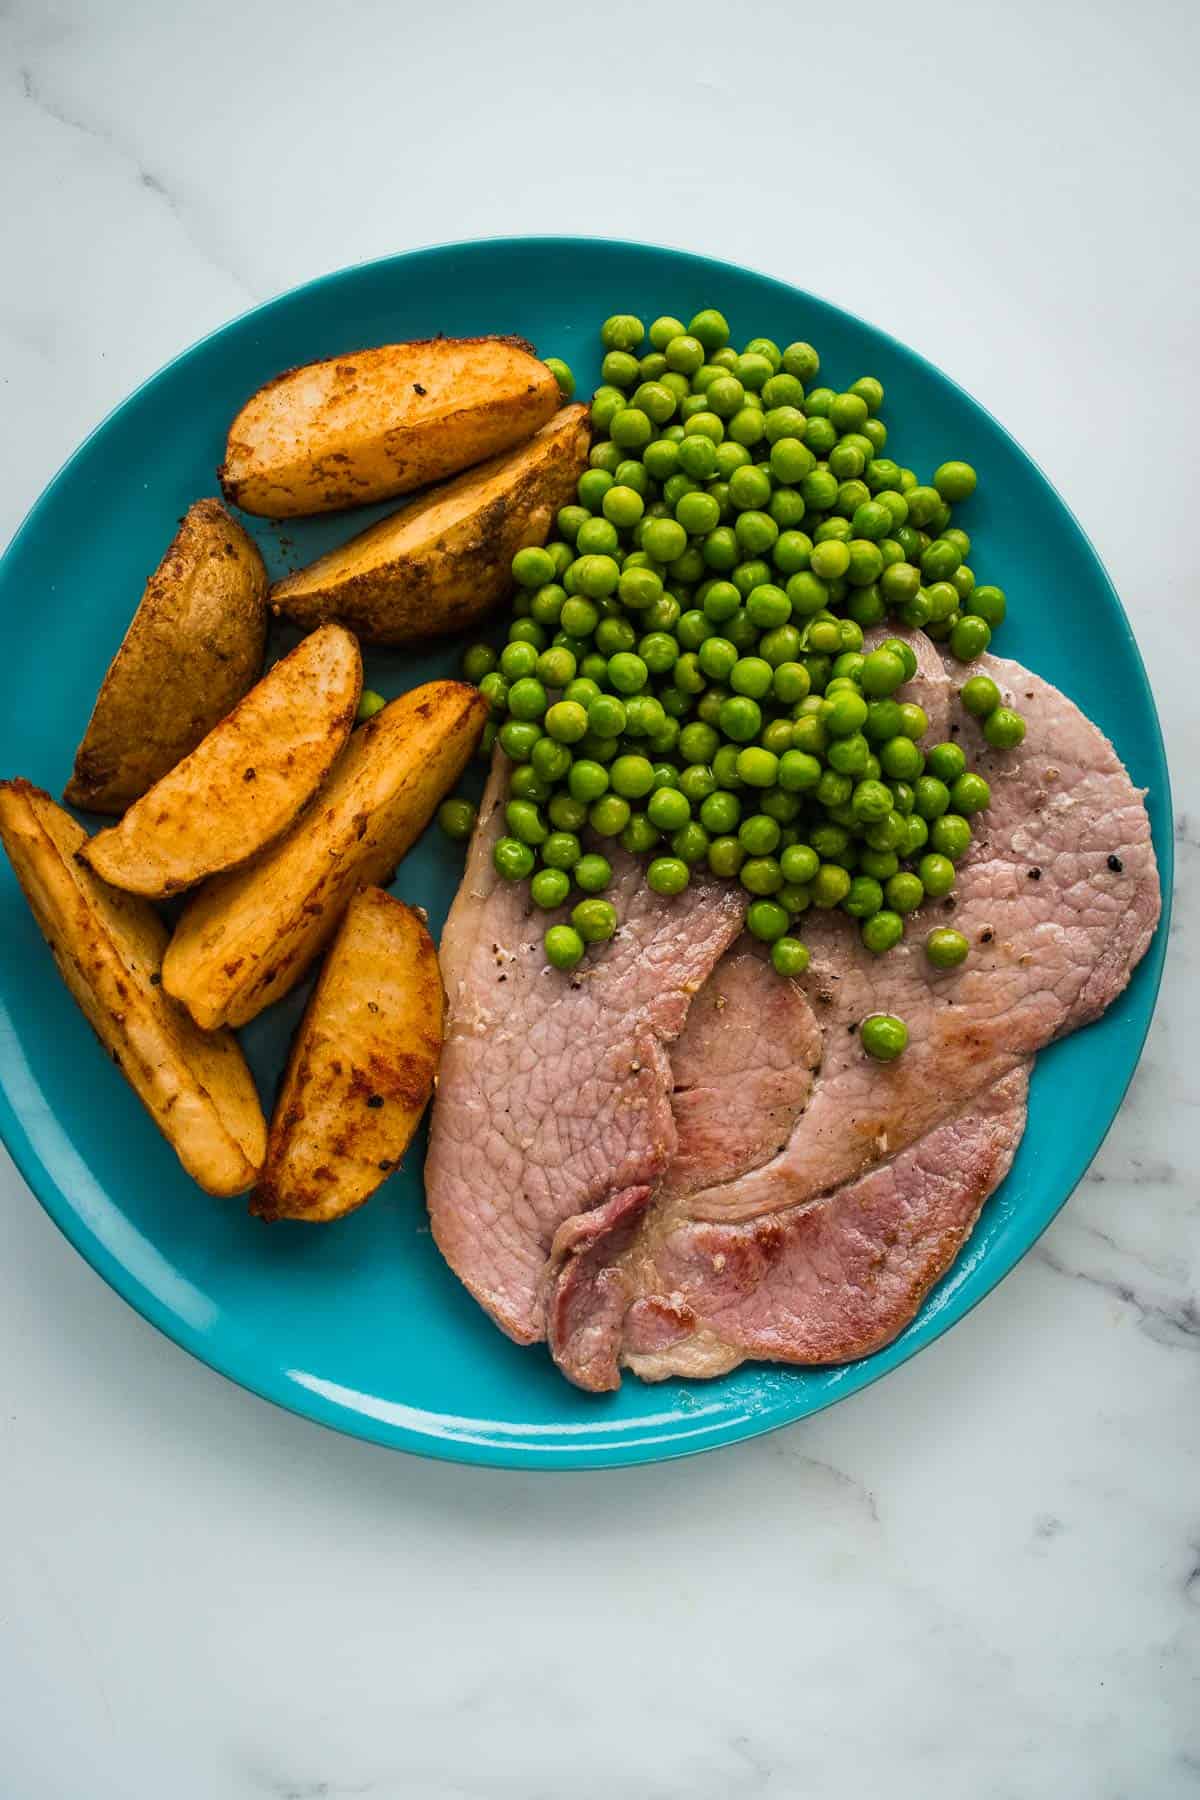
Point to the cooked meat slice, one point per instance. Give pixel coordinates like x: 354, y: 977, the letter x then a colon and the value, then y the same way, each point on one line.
x: 743, y: 1067
x: 835, y: 1278
x: 685, y: 1245
x: 555, y: 1090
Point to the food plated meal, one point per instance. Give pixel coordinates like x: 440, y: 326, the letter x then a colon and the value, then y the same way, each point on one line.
x: 779, y: 881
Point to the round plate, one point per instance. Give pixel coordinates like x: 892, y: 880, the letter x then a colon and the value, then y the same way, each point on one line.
x: 360, y: 1325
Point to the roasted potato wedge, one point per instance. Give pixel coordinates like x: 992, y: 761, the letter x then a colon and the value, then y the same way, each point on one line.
x: 109, y: 947
x: 361, y: 1067
x: 244, y: 784
x: 382, y: 422
x: 247, y: 937
x: 195, y: 645
x: 443, y: 563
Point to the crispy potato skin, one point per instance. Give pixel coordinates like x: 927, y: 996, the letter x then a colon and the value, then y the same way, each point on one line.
x: 375, y: 423
x: 109, y: 947
x: 361, y: 1068
x: 245, y: 783
x: 246, y: 938
x: 193, y: 648
x: 443, y: 563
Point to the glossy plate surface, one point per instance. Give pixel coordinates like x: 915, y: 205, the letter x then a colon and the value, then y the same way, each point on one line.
x: 361, y: 1326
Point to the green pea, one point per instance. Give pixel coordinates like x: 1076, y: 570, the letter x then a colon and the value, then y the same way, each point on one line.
x: 846, y: 460
x: 789, y: 956
x: 904, y: 892
x: 799, y: 772
x: 627, y: 673
x: 512, y: 859
x: 594, y: 920
x: 631, y: 776
x: 566, y: 721
x: 564, y: 947
x: 950, y: 835
x: 916, y: 834
x: 549, y: 888
x: 620, y: 369
x: 945, y: 948
x: 527, y: 698
x: 566, y: 814
x: 932, y: 797
x: 720, y: 813
x: 970, y: 794
x: 830, y: 886
x: 757, y: 767
x: 761, y: 875
x: 593, y: 873
x: 759, y: 834
x: 1004, y: 729
x: 801, y: 360
x: 979, y: 695
x: 914, y: 721
x: 954, y: 481
x: 622, y: 331
x: 883, y: 672
x: 639, y: 835
x: 369, y: 704
x: 943, y: 602
x: 562, y: 374
x: 517, y: 737
x: 844, y: 713
x: 753, y: 370
x: 456, y: 818
x: 609, y: 815
x: 721, y: 551
x: 766, y: 920
x: 517, y: 659
x: 656, y: 401
x: 900, y: 759
x: 871, y: 800
x: 690, y: 843
x: 863, y: 898
x: 606, y: 403
x: 684, y: 354
x: 587, y: 780
x: 988, y: 603
x: 549, y: 761
x: 830, y: 559
x: 887, y: 834
x: 883, y: 1036
x: 661, y: 459
x: 865, y: 605
x: 970, y: 637
x: 664, y: 329
x: 477, y: 662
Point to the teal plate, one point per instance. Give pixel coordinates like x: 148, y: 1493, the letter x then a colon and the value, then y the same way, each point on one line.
x: 361, y: 1326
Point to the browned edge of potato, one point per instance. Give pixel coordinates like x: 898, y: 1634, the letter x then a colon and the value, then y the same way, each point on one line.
x: 108, y: 947
x: 361, y: 1067
x: 442, y: 563
x: 379, y: 422
x: 243, y: 784
x: 246, y: 938
x: 193, y: 648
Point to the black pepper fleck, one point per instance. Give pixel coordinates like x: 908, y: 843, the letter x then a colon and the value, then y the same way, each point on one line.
x: 1115, y: 864
x: 1034, y: 874
x: 156, y: 979
x: 985, y: 937
x: 375, y: 1101
x: 418, y: 389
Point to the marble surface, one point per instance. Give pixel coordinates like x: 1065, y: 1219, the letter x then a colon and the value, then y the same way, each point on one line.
x: 980, y: 1577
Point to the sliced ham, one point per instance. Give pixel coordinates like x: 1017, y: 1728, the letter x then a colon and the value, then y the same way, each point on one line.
x: 763, y: 1189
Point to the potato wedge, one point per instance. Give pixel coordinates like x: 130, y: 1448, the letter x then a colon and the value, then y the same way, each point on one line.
x: 109, y: 947
x: 195, y: 645
x: 244, y: 784
x: 381, y: 422
x: 361, y: 1067
x: 247, y: 937
x: 441, y: 564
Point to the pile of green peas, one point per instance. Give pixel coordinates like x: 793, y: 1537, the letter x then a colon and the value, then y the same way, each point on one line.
x: 685, y: 673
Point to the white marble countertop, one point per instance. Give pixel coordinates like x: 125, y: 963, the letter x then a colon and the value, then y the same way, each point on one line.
x: 980, y: 1577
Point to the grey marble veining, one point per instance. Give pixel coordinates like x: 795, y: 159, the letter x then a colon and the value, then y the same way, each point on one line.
x: 982, y: 1575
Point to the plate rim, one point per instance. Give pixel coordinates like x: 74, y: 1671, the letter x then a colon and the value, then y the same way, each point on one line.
x: 627, y: 1449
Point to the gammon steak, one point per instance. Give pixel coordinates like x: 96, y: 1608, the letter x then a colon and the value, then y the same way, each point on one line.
x: 673, y: 1160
